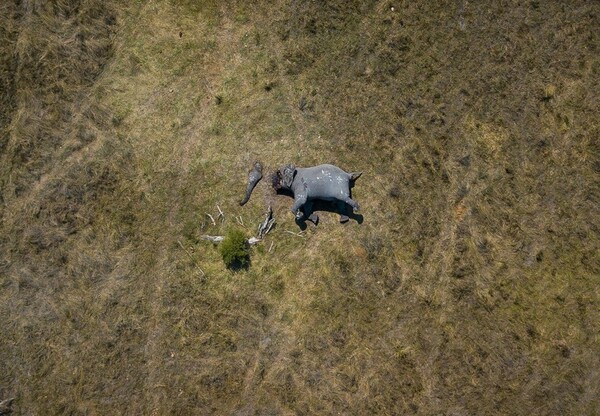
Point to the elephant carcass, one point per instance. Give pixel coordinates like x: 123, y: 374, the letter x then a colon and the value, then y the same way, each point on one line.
x: 325, y: 182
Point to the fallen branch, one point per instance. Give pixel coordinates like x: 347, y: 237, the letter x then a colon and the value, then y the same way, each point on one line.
x: 263, y: 229
x: 213, y: 238
x: 211, y: 218
x: 267, y: 224
x: 221, y: 215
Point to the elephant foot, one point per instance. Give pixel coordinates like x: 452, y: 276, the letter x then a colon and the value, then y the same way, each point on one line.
x: 314, y: 218
x: 344, y: 219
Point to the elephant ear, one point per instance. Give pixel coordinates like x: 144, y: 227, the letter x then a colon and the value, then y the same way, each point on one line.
x: 289, y: 171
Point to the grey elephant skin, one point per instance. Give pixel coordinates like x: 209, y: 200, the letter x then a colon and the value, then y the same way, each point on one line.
x: 324, y: 182
x: 254, y: 176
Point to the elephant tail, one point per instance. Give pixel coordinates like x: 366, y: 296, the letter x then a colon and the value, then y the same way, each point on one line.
x: 354, y: 175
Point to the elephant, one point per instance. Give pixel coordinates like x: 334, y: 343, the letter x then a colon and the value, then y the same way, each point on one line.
x: 324, y: 182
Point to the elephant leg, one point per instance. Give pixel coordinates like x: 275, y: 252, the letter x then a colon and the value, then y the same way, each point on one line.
x: 314, y: 218
x: 343, y: 212
x: 299, y: 203
x: 308, y: 206
x: 308, y: 214
x: 352, y: 203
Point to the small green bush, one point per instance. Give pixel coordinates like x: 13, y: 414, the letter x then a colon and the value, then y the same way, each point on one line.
x: 234, y: 250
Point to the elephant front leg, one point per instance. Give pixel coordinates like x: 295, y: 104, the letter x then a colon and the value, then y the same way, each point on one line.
x: 343, y: 212
x: 299, y: 203
x: 309, y: 214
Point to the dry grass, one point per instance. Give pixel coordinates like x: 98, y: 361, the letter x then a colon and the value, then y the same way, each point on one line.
x: 471, y: 286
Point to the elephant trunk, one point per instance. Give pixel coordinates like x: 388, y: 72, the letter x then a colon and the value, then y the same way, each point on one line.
x: 254, y: 176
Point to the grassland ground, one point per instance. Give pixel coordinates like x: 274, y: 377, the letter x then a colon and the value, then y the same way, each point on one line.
x: 470, y: 287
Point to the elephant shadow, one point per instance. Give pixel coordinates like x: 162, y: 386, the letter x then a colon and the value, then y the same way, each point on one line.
x: 335, y: 207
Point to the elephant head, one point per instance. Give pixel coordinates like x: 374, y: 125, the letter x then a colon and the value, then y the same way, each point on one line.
x: 284, y: 177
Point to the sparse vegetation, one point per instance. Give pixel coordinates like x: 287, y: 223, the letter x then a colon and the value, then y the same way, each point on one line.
x: 471, y: 286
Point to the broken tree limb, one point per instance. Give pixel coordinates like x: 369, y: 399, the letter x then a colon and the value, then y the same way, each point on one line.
x: 253, y: 240
x: 221, y: 215
x: 211, y: 218
x: 263, y: 229
x: 219, y: 238
x: 213, y: 238
x: 267, y: 224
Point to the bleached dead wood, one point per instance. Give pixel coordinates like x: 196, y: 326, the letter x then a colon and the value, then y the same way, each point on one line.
x: 213, y: 238
x: 263, y: 229
x: 266, y: 226
x: 221, y: 215
x: 211, y: 218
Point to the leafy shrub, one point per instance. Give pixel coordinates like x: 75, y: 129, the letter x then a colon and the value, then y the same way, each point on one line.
x: 234, y: 250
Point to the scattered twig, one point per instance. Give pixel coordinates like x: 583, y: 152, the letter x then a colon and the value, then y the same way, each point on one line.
x: 263, y: 229
x: 297, y: 234
x: 271, y: 247
x: 221, y: 215
x: 211, y: 218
